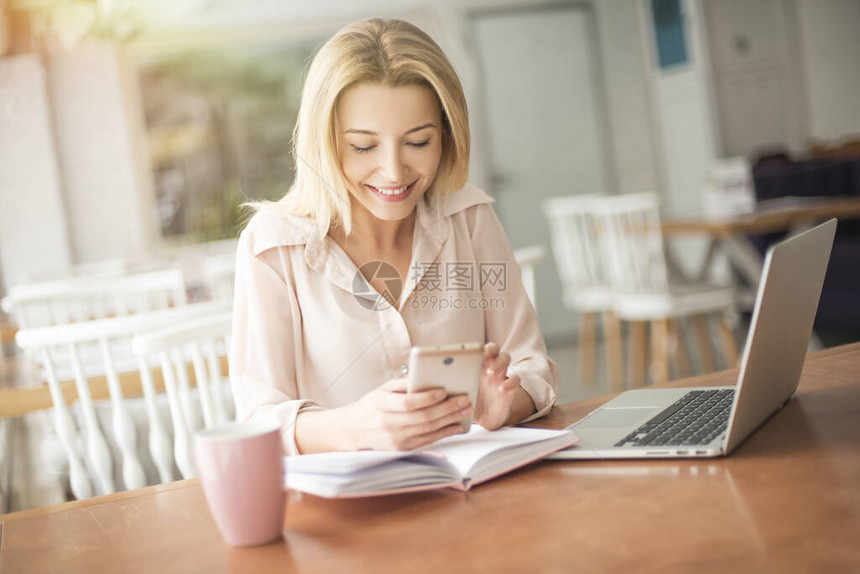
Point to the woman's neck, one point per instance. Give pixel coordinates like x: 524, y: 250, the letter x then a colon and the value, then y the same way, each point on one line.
x: 379, y: 235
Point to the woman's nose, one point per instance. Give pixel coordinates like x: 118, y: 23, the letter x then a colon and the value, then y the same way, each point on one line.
x: 392, y: 167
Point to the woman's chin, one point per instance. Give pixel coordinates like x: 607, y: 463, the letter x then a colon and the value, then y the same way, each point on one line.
x: 398, y: 213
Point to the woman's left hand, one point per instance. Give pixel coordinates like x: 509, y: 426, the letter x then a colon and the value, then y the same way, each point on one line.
x: 497, y: 390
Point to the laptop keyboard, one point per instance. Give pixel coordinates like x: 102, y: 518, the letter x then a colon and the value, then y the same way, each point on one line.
x: 694, y: 419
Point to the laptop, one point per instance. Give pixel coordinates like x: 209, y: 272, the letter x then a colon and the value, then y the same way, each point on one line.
x: 713, y: 421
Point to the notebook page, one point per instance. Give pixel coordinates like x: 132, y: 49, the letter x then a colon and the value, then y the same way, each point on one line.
x: 339, y: 462
x: 511, y: 444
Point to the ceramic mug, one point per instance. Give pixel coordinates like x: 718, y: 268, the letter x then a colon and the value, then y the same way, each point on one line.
x: 241, y: 469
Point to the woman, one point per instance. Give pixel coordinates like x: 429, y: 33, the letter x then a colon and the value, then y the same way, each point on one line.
x: 382, y: 154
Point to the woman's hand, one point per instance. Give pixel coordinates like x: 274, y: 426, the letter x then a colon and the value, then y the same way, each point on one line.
x: 389, y: 418
x: 500, y: 398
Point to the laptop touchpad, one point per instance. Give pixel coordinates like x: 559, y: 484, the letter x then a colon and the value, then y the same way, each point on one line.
x: 610, y: 418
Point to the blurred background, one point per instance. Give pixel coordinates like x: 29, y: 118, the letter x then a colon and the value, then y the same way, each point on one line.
x: 128, y: 127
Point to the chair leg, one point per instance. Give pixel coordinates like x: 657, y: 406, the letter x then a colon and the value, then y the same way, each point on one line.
x: 700, y: 322
x: 730, y: 348
x: 680, y: 351
x: 659, y: 351
x: 638, y: 368
x: 587, y: 351
x: 614, y: 358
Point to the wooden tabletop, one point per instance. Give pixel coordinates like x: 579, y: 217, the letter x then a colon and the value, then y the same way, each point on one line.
x: 776, y: 217
x: 788, y: 500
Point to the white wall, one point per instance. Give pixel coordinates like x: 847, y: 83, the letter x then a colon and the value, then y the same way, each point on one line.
x: 33, y: 231
x: 830, y: 47
x: 109, y: 199
x: 757, y: 75
x: 796, y: 76
x: 628, y: 105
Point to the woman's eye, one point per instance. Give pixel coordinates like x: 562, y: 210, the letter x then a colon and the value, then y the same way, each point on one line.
x: 359, y: 149
x: 419, y: 144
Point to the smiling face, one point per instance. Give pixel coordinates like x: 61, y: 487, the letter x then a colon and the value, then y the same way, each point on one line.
x: 389, y: 146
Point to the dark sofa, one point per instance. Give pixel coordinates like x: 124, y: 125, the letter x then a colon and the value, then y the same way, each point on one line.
x: 839, y: 310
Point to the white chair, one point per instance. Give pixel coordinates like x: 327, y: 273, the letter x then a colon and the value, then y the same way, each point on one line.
x: 528, y: 258
x: 219, y: 273
x: 83, y: 298
x: 632, y: 244
x: 104, y: 268
x: 585, y: 288
x: 202, y: 342
x: 66, y: 351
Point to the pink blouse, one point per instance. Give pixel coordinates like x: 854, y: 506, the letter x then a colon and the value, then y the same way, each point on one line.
x: 309, y: 332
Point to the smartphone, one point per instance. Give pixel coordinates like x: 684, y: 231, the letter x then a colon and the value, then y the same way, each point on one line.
x: 455, y: 368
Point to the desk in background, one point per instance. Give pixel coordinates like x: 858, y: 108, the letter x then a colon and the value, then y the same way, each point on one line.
x: 734, y: 236
x: 786, y: 500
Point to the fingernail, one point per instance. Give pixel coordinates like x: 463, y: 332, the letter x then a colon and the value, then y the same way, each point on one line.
x: 439, y: 395
x: 465, y: 411
x: 463, y: 402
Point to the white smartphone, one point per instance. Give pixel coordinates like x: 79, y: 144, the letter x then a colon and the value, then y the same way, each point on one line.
x: 455, y: 368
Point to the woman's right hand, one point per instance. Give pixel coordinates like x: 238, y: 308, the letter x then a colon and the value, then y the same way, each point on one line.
x: 389, y: 418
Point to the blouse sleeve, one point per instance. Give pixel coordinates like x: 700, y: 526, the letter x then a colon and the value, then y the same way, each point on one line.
x: 512, y: 322
x: 265, y: 336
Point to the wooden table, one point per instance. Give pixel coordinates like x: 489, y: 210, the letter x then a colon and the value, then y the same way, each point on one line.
x: 788, y: 500
x: 731, y: 235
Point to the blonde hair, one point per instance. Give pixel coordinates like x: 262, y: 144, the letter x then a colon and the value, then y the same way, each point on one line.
x: 393, y: 53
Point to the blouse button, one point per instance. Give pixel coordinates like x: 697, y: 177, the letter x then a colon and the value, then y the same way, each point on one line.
x: 404, y: 370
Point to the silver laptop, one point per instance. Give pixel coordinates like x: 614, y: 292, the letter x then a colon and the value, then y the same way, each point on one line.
x: 713, y: 421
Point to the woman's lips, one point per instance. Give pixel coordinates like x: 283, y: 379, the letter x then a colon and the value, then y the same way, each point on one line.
x: 391, y: 197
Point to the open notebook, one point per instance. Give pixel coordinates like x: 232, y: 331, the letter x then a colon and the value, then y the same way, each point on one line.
x: 459, y: 461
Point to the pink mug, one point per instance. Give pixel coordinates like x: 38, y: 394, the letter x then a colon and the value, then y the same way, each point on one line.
x: 241, y: 468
